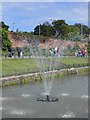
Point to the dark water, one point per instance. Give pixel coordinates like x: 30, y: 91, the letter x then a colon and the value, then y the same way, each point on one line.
x: 21, y: 101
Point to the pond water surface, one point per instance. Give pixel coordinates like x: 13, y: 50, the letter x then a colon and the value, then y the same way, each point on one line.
x: 21, y: 101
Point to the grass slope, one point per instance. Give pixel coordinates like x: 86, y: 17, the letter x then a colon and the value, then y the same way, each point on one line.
x: 23, y: 65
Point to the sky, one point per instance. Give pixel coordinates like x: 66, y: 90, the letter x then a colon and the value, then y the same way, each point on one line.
x: 26, y: 15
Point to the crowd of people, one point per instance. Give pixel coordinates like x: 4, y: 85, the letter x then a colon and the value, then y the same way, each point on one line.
x: 80, y: 53
x: 18, y: 52
x: 13, y: 50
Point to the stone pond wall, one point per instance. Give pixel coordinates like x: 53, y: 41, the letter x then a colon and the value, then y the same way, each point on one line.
x: 26, y: 78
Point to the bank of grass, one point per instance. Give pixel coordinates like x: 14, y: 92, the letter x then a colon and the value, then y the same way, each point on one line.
x: 74, y: 60
x: 56, y: 75
x: 27, y: 65
x: 18, y: 66
x: 67, y: 72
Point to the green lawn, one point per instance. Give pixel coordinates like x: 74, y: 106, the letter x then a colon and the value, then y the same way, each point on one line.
x: 20, y: 66
x: 17, y: 66
x: 75, y: 60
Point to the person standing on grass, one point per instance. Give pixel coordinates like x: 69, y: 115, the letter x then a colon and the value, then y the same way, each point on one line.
x: 13, y: 52
x: 19, y: 51
x: 83, y: 52
x: 21, y: 54
x: 76, y: 53
x: 56, y: 51
x: 80, y: 53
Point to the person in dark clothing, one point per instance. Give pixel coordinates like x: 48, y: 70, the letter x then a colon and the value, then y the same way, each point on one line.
x: 48, y: 98
x: 13, y: 51
x: 19, y: 52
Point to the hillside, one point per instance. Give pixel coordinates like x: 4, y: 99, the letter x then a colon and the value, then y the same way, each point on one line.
x: 52, y: 43
x: 16, y: 42
x: 63, y: 43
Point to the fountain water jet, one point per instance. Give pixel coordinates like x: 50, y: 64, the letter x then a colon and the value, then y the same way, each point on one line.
x: 47, y: 62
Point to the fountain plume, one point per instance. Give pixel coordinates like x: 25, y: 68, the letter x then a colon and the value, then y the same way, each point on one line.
x: 46, y: 61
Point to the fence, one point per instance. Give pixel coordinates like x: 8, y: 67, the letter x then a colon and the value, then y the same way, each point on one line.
x: 28, y: 70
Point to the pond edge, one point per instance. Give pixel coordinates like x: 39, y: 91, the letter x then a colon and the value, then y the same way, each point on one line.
x: 27, y: 78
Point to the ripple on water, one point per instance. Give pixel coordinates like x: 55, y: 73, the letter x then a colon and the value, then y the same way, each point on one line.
x: 68, y: 114
x: 84, y: 96
x: 26, y: 95
x: 74, y: 96
x: 6, y: 98
x: 22, y: 112
x: 65, y: 94
x: 45, y: 93
x: 3, y: 108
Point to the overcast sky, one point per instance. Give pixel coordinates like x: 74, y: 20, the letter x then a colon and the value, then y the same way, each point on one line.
x: 26, y: 15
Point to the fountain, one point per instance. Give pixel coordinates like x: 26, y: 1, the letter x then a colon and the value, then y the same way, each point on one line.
x: 47, y: 62
x: 48, y: 99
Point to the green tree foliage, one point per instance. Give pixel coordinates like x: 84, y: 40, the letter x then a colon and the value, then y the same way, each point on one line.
x: 84, y: 29
x: 3, y: 25
x: 73, y: 33
x: 58, y: 28
x: 88, y: 48
x: 4, y: 40
x: 44, y: 29
x: 6, y: 43
x: 64, y: 30
x: 47, y: 30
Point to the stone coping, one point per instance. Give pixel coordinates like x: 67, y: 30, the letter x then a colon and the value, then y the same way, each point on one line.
x: 35, y: 74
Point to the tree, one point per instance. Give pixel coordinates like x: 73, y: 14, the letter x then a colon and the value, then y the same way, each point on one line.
x: 6, y: 43
x: 3, y: 25
x: 57, y: 23
x: 88, y: 48
x: 65, y: 29
x: 45, y: 29
x: 36, y: 30
x: 4, y: 40
x: 73, y: 33
x: 83, y: 28
x: 58, y: 26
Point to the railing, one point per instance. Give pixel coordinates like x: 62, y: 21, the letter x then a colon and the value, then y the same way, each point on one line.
x: 28, y: 70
